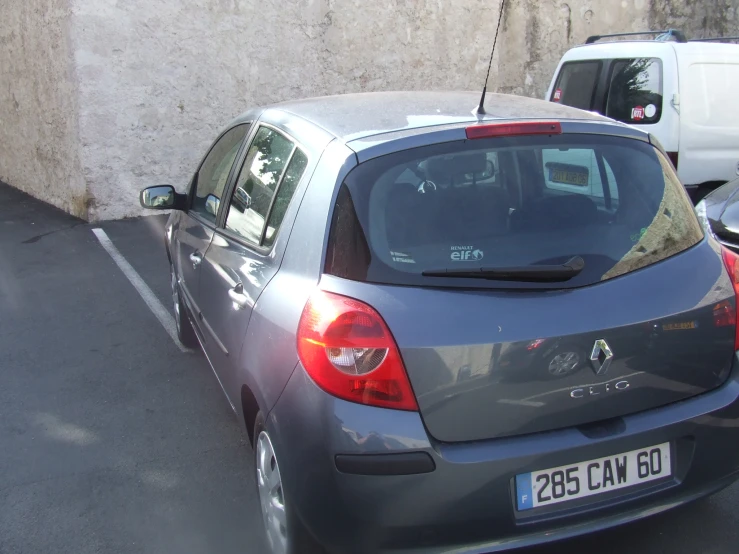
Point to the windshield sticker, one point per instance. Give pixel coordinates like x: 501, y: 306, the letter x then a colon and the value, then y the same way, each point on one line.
x: 402, y: 258
x: 466, y: 254
x: 557, y: 95
x: 637, y: 114
x: 650, y: 111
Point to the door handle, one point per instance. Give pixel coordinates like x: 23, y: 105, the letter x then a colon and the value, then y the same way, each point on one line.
x: 238, y: 297
x: 195, y: 259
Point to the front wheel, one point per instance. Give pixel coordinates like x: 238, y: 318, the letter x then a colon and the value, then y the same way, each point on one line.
x: 185, y: 331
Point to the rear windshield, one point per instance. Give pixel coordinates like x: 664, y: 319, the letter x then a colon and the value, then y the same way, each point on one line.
x: 510, y: 202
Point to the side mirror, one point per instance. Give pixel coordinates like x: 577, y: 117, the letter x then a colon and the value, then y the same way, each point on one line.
x: 162, y: 197
x: 211, y: 204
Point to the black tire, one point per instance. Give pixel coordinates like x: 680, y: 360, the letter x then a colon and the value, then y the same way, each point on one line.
x: 299, y: 539
x: 185, y: 332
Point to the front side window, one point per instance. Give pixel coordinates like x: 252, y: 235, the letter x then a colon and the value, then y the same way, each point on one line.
x: 213, y: 174
x: 411, y: 217
x: 635, y: 91
x: 260, y: 175
x: 576, y: 84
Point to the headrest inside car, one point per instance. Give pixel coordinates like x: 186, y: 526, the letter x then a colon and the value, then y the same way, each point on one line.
x: 444, y: 169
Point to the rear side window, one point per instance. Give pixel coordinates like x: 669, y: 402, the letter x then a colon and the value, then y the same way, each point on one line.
x: 635, y: 91
x: 510, y: 203
x: 576, y: 84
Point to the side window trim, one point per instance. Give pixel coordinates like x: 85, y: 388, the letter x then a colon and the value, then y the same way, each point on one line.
x: 194, y: 181
x: 233, y: 178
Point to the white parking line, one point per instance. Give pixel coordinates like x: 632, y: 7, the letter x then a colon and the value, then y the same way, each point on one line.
x: 159, y: 311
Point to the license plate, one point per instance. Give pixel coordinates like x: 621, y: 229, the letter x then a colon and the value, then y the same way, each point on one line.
x: 569, y: 177
x: 560, y: 484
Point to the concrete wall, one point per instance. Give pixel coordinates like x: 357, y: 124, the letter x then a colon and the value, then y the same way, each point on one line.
x: 39, y: 140
x: 159, y: 79
x: 133, y: 91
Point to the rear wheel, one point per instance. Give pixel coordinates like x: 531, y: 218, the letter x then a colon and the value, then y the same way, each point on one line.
x: 185, y: 332
x: 285, y: 532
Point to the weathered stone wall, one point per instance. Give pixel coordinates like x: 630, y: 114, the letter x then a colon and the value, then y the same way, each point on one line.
x: 39, y: 142
x: 158, y: 79
x: 103, y: 97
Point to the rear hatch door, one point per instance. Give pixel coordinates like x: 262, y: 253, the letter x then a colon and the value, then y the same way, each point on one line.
x: 649, y: 318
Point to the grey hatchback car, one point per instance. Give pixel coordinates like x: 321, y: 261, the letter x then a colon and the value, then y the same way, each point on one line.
x: 452, y: 332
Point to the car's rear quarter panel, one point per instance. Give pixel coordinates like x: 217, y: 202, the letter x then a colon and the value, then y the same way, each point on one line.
x: 269, y: 353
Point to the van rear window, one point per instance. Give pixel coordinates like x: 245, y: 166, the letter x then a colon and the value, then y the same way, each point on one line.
x: 517, y: 202
x: 635, y: 91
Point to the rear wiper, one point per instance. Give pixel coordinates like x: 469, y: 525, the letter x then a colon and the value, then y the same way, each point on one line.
x: 529, y: 273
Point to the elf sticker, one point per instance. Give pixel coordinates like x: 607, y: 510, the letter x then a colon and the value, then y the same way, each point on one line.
x: 637, y: 114
x: 557, y: 95
x: 466, y: 254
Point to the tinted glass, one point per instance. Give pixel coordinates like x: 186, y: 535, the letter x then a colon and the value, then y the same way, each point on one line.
x: 576, y: 84
x: 214, y: 172
x: 515, y: 202
x: 635, y: 91
x: 284, y: 194
x: 260, y: 174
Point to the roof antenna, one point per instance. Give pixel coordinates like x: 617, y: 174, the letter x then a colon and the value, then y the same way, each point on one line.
x: 481, y: 108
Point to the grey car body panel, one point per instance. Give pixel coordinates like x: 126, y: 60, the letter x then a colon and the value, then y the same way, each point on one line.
x: 466, y: 350
x: 269, y: 353
x: 354, y: 116
x: 466, y: 505
x: 231, y: 261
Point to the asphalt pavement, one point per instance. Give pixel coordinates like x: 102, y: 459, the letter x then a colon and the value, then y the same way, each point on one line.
x: 114, y: 440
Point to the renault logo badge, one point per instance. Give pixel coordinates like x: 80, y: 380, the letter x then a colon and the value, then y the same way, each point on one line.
x: 601, y: 356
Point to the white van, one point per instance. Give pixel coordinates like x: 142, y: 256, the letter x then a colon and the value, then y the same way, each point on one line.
x: 685, y: 93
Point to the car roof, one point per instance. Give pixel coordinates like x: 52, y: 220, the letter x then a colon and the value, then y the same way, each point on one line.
x: 349, y: 117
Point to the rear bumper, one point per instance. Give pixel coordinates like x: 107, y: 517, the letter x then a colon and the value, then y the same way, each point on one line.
x: 466, y: 502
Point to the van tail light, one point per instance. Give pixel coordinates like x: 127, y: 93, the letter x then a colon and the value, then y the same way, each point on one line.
x: 720, y: 313
x: 348, y: 350
x: 514, y: 129
x: 673, y: 158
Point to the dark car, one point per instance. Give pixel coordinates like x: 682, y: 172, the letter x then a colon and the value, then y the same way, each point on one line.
x: 719, y: 212
x: 444, y: 331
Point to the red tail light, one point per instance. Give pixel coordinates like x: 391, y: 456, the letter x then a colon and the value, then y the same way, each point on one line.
x: 347, y: 349
x: 732, y: 266
x: 514, y: 129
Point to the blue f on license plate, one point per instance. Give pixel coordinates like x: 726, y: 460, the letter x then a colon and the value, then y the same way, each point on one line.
x: 560, y: 484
